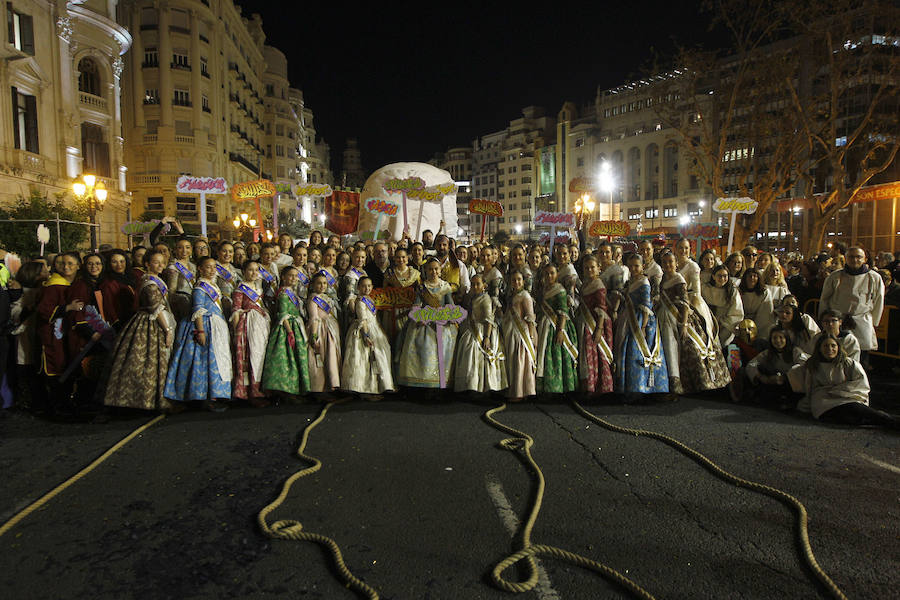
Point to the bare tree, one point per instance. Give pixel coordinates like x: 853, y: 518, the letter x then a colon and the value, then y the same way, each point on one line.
x: 847, y: 100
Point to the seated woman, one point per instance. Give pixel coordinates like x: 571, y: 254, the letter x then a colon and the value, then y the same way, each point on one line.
x: 837, y: 388
x: 765, y: 378
x: 832, y: 322
x: 800, y: 327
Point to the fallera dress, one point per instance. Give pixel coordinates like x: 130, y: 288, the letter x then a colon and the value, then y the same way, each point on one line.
x: 556, y: 364
x: 324, y: 365
x: 140, y: 358
x: 478, y: 369
x: 640, y: 360
x: 286, y: 367
x: 595, y: 359
x: 366, y: 370
x: 201, y: 372
x: 520, y: 345
x: 418, y: 358
x: 250, y: 324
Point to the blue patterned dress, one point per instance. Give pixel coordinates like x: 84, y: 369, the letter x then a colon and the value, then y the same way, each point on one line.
x: 640, y: 364
x: 201, y: 372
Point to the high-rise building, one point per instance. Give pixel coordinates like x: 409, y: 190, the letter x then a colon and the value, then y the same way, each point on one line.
x: 352, y: 173
x: 458, y: 162
x: 62, y: 64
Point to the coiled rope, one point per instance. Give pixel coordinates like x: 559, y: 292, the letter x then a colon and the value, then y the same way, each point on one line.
x: 783, y: 497
x: 289, y: 529
x: 529, y: 552
x: 58, y: 489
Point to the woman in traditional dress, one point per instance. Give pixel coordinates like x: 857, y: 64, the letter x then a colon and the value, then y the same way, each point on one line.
x: 286, y: 369
x: 480, y: 362
x: 520, y: 340
x: 757, y: 301
x: 491, y: 276
x: 268, y: 273
x: 687, y: 268
x: 724, y: 301
x: 316, y: 240
x: 837, y: 388
x: 250, y: 324
x: 324, y: 338
x: 690, y: 340
x: 367, y: 351
x: 117, y: 288
x: 140, y: 358
x: 342, y: 263
x: 418, y: 364
x: 180, y: 277
x: 399, y: 275
x: 347, y: 285
x: 327, y: 270
x: 304, y: 276
x: 517, y: 262
x: 557, y: 351
x: 595, y: 332
x: 201, y: 360
x: 227, y: 276
x: 640, y: 360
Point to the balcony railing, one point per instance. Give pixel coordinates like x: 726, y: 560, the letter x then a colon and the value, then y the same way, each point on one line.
x: 92, y: 101
x: 145, y: 179
x: 150, y: 138
x: 184, y: 139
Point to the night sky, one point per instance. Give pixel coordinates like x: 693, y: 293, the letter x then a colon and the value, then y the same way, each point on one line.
x: 409, y: 82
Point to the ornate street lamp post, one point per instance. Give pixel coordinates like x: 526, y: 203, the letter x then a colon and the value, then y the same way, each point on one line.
x: 94, y: 193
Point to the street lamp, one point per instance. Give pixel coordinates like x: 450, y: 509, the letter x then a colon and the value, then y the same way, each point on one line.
x: 584, y: 204
x: 243, y: 222
x: 94, y: 193
x: 607, y: 184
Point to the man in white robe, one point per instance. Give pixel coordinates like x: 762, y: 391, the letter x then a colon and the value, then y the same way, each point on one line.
x: 856, y: 292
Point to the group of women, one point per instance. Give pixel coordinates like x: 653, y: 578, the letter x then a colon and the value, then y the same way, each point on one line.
x: 283, y: 320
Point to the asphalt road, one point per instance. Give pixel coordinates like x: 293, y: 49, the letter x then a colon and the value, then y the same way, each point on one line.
x: 422, y: 503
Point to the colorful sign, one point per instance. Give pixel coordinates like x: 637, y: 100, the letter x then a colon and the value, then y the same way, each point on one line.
x: 609, y: 229
x: 409, y: 184
x: 554, y: 220
x: 314, y: 189
x: 201, y: 185
x: 389, y: 298
x: 701, y: 236
x: 735, y: 206
x: 581, y: 185
x: 253, y: 190
x: 440, y: 316
x: 477, y: 206
x: 382, y: 208
x: 414, y: 187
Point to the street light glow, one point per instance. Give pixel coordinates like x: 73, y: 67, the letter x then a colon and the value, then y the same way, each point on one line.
x: 605, y: 179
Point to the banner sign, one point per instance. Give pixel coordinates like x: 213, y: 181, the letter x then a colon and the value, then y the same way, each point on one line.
x: 448, y: 313
x: 561, y: 238
x: 477, y: 206
x: 609, y: 229
x: 554, y: 220
x: 735, y: 206
x: 581, y: 185
x: 342, y: 212
x: 389, y: 298
x: 253, y: 190
x: 414, y: 187
x: 381, y: 208
x: 548, y: 170
x: 314, y: 189
x: 203, y: 186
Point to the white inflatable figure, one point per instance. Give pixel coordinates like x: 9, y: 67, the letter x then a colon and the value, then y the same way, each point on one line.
x: 426, y: 195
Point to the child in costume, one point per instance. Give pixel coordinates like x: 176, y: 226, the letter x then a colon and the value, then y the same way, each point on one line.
x: 250, y: 324
x: 479, y: 356
x: 519, y: 340
x: 367, y: 351
x: 324, y: 338
x: 286, y: 370
x: 201, y: 360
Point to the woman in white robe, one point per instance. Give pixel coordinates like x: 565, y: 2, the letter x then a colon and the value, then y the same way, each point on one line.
x: 724, y: 302
x: 757, y: 301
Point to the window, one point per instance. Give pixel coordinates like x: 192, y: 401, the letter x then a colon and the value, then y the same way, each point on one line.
x: 279, y: 129
x: 204, y: 67
x: 204, y: 99
x: 512, y: 182
x: 151, y: 96
x: 525, y: 192
x: 151, y: 57
x: 180, y: 20
x: 279, y: 150
x: 186, y: 206
x: 579, y: 142
x: 21, y: 30
x: 95, y: 150
x: 183, y: 128
x: 180, y: 60
x: 152, y: 126
x: 25, y: 125
x: 693, y: 209
x: 155, y: 204
x: 182, y: 98
x: 88, y: 77
x: 670, y: 210
x: 149, y: 18
x: 651, y: 213
x: 634, y: 214
x: 580, y: 162
x: 511, y: 207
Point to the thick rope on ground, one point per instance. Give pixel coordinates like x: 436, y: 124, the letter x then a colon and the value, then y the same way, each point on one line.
x: 523, y: 442
x: 58, y: 489
x: 784, y: 497
x: 289, y: 529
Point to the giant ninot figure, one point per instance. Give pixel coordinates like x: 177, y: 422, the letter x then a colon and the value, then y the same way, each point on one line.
x: 426, y: 195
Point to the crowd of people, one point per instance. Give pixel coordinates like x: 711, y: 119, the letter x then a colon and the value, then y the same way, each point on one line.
x: 204, y: 324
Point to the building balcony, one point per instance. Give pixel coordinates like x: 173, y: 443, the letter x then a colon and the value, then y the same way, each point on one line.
x: 202, y: 37
x: 150, y: 138
x: 92, y: 101
x: 234, y: 157
x: 145, y: 179
x: 186, y: 103
x: 184, y: 139
x: 207, y: 109
x: 180, y: 67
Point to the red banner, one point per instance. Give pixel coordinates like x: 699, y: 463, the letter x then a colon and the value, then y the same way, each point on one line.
x: 342, y: 212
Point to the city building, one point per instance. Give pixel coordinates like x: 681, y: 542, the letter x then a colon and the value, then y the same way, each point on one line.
x: 62, y: 65
x: 458, y: 162
x: 352, y: 173
x: 313, y: 161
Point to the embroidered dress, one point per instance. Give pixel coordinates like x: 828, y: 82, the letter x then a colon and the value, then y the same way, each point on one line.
x: 347, y: 297
x: 640, y: 361
x: 366, y: 370
x: 227, y: 278
x: 201, y: 372
x: 595, y: 359
x: 269, y: 278
x: 494, y: 285
x: 693, y: 356
x: 250, y: 327
x: 180, y: 277
x: 556, y: 364
x: 302, y: 288
x: 324, y: 364
x: 478, y: 369
x: 418, y: 358
x: 520, y: 345
x: 140, y: 358
x: 394, y: 321
x: 286, y: 367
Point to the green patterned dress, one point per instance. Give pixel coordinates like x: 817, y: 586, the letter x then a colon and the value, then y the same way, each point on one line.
x: 286, y: 368
x: 557, y: 370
